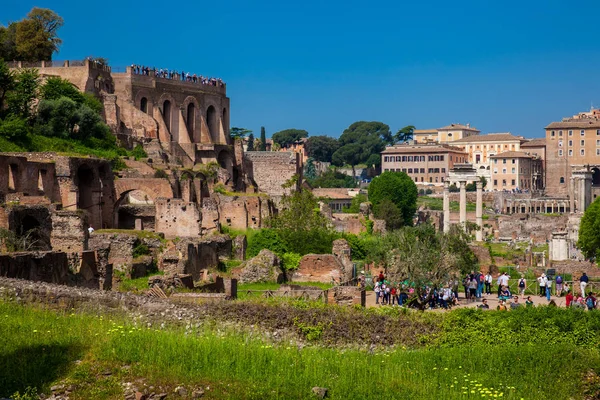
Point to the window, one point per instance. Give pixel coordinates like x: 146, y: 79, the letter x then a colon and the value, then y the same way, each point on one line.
x: 403, y: 169
x: 385, y: 170
x: 422, y: 171
x: 560, y: 143
x: 552, y: 133
x: 477, y: 158
x: 410, y: 170
x: 582, y: 132
x: 495, y: 170
x: 513, y: 170
x: 503, y: 182
x: 513, y: 161
x: 597, y: 142
x: 403, y: 158
x: 559, y: 133
x: 598, y: 152
x: 495, y: 161
x: 597, y: 132
x: 503, y: 170
x: 560, y: 153
x: 441, y: 158
x: 570, y: 133
x: 570, y: 152
x: 386, y: 159
x: 443, y: 170
x: 436, y: 179
x: 582, y: 152
x: 430, y: 179
x: 512, y: 182
x: 562, y: 179
x: 421, y: 179
x: 504, y: 161
x: 495, y: 182
x: 410, y: 158
x: 570, y: 143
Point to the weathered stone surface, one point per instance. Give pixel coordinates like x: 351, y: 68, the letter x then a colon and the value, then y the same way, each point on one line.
x: 166, y: 282
x: 262, y: 268
x: 239, y: 247
x: 319, y: 268
x: 320, y: 392
x: 51, y: 267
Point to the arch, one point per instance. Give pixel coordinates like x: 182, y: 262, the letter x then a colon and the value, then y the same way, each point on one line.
x: 125, y: 217
x: 562, y: 179
x: 190, y: 119
x: 225, y: 120
x: 225, y: 160
x: 144, y: 105
x: 596, y: 176
x: 167, y: 113
x: 85, y: 186
x: 211, y: 122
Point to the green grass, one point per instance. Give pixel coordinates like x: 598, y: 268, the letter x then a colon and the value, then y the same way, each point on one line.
x: 434, y: 203
x: 41, y: 348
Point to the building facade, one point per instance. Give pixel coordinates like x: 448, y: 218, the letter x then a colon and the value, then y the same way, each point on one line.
x: 515, y: 171
x: 426, y: 164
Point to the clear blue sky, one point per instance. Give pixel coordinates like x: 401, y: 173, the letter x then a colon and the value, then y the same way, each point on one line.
x: 321, y: 65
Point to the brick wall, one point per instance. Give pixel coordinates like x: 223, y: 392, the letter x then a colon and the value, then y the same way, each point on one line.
x: 270, y: 170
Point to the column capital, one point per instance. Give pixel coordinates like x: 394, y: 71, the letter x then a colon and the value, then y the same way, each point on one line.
x: 462, y: 184
x: 479, y: 185
x: 446, y: 185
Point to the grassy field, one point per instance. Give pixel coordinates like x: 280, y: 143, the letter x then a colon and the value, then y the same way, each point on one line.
x: 96, y: 354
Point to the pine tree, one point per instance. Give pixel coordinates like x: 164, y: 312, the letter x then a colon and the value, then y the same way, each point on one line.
x: 250, y: 142
x: 263, y: 139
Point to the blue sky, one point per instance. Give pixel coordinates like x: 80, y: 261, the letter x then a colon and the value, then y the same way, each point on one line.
x: 321, y: 65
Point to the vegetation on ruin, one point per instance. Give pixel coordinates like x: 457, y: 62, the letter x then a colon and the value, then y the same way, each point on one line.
x: 287, y: 137
x: 355, y: 204
x: 332, y: 179
x: 515, y: 353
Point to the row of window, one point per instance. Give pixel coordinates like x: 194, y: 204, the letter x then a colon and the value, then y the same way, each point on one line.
x: 412, y: 158
x: 513, y: 161
x: 417, y: 170
x: 582, y: 143
x: 581, y: 132
x: 524, y: 183
x: 581, y: 152
x: 513, y: 170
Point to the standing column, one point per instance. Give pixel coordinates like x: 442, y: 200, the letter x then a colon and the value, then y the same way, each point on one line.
x: 479, y: 211
x: 463, y: 204
x: 446, y: 207
x: 572, y: 195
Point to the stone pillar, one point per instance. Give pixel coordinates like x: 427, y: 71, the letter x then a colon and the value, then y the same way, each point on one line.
x: 479, y: 211
x: 572, y: 195
x: 446, y: 207
x: 463, y: 204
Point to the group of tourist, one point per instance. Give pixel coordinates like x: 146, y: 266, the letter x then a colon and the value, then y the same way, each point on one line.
x: 176, y: 75
x: 475, y: 285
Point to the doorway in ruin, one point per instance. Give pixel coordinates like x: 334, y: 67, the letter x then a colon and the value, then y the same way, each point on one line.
x: 167, y: 114
x: 144, y: 105
x: 135, y: 209
x: 85, y: 187
x: 596, y: 176
x: 211, y: 121
x: 31, y: 227
x: 191, y: 119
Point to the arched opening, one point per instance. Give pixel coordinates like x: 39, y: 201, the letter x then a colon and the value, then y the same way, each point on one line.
x: 191, y: 119
x: 135, y: 209
x: 211, y: 121
x: 562, y: 180
x: 144, y: 105
x: 167, y: 114
x: 595, y: 176
x: 31, y: 235
x: 224, y: 160
x: 225, y: 125
x: 85, y: 184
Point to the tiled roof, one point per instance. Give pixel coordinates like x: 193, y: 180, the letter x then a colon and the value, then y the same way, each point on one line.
x: 490, y: 137
x: 424, y: 131
x: 577, y: 124
x: 512, y: 154
x: 420, y: 148
x: 332, y: 193
x: 458, y: 127
x: 534, y: 142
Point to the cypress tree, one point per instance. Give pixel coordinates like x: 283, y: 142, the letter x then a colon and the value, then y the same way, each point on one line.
x: 250, y: 142
x: 263, y: 139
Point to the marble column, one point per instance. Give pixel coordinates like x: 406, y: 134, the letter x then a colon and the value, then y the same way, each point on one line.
x: 463, y: 204
x: 572, y: 195
x: 479, y: 211
x: 446, y: 207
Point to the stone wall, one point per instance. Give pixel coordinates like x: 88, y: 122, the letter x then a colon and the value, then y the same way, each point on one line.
x: 243, y: 212
x: 319, y: 268
x: 178, y: 218
x: 51, y: 267
x: 68, y: 231
x: 270, y: 170
x: 535, y: 226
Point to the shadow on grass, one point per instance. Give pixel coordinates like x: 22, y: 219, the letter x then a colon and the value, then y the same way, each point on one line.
x: 34, y: 366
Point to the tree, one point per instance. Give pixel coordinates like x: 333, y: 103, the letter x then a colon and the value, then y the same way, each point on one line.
x: 405, y: 134
x: 288, y: 137
x: 472, y: 187
x: 239, y: 133
x: 8, y: 37
x: 589, y: 231
x: 333, y: 179
x: 390, y: 213
x: 397, y: 187
x: 301, y: 226
x: 310, y: 172
x: 263, y: 139
x: 427, y: 258
x: 360, y: 141
x: 7, y: 83
x: 36, y: 36
x: 321, y: 148
x: 355, y: 204
x: 14, y: 128
x: 20, y: 100
x: 250, y: 142
x: 55, y: 87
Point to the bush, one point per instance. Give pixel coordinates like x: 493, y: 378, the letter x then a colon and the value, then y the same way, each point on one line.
x: 138, y: 152
x: 265, y: 239
x: 160, y: 173
x: 290, y: 261
x: 140, y: 249
x: 14, y: 128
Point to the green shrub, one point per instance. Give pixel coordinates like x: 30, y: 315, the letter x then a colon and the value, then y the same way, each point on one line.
x: 138, y: 152
x: 290, y: 261
x: 140, y: 249
x: 160, y: 173
x: 265, y: 239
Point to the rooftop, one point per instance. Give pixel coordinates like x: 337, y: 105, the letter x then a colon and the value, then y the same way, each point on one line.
x: 420, y: 148
x: 512, y: 154
x: 490, y: 137
x: 424, y: 131
x: 575, y: 123
x: 466, y: 127
x: 534, y: 142
x: 334, y: 193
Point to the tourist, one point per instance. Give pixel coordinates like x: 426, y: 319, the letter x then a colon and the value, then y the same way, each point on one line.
x: 466, y: 286
x: 473, y: 283
x: 499, y: 283
x: 548, y: 288
x: 569, y: 298
x: 90, y: 230
x: 515, y: 303
x: 559, y: 285
x: 377, y: 291
x: 488, y: 283
x: 504, y: 279
x: 381, y: 277
x: 529, y: 302
x: 583, y: 281
x: 505, y: 293
x: 522, y: 287
x: 484, y: 305
x: 394, y: 295
x: 501, y: 306
x: 480, y: 283
x: 590, y: 301
x: 542, y: 283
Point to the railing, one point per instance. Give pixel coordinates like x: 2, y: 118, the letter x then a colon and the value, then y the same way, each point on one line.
x: 59, y: 64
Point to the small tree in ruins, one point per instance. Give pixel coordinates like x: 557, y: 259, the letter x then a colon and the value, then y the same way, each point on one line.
x: 427, y: 258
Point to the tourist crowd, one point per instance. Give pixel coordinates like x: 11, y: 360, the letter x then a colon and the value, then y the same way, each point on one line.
x: 176, y: 75
x: 476, y: 285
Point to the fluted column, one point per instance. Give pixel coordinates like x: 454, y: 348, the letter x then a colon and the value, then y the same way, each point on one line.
x: 446, y: 207
x: 463, y: 204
